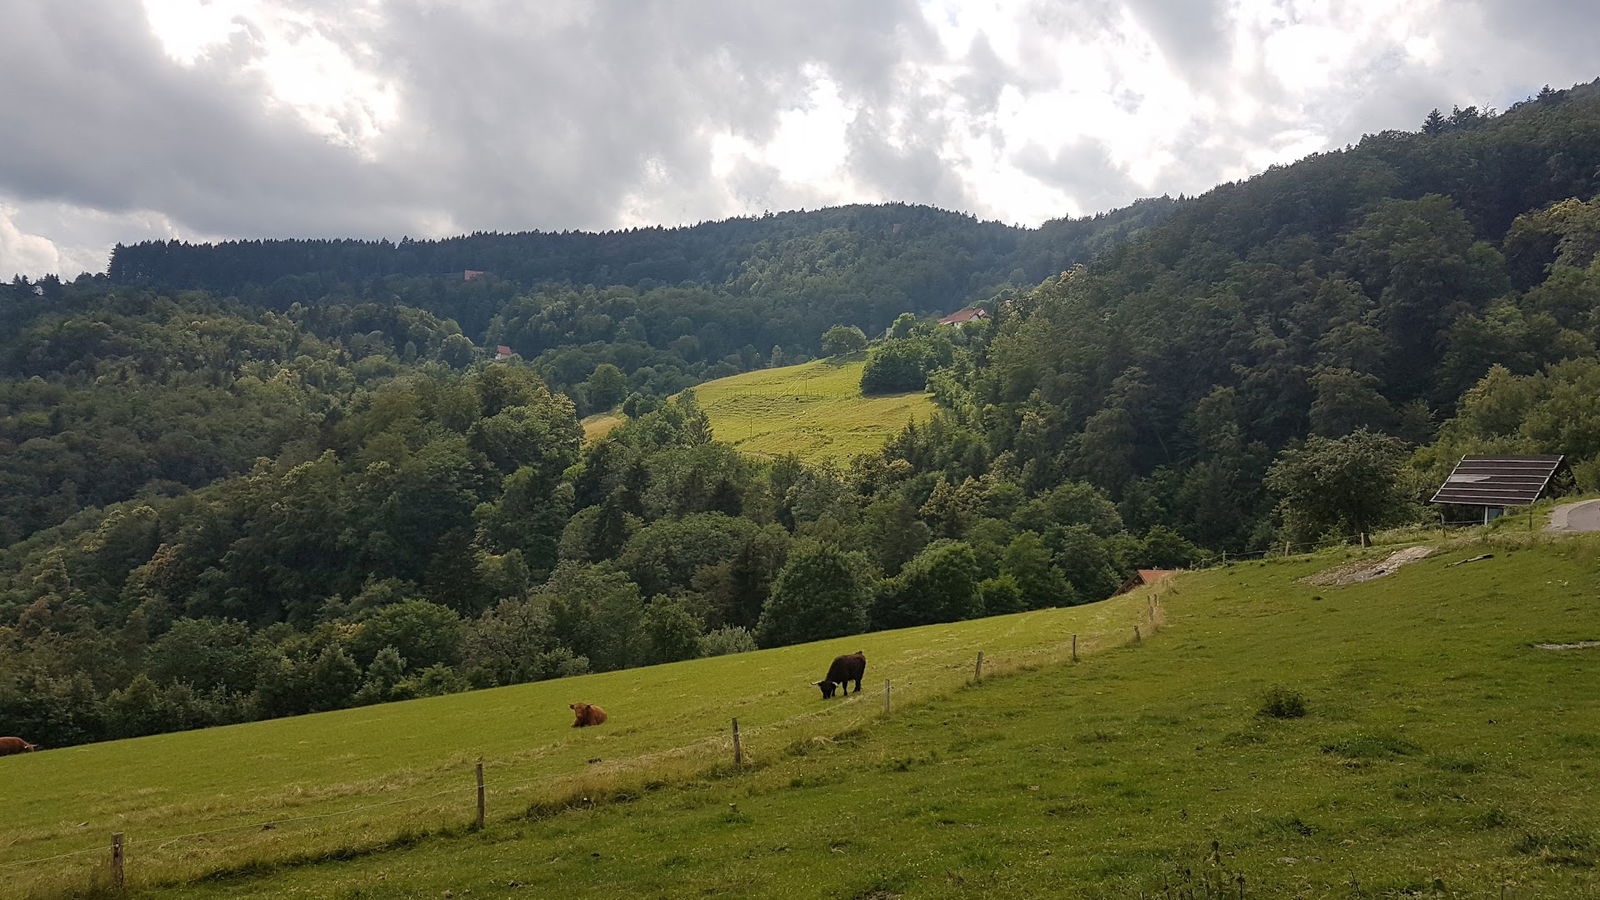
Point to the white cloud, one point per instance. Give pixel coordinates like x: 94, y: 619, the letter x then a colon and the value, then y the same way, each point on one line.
x: 24, y: 252
x: 189, y: 29
x: 224, y: 118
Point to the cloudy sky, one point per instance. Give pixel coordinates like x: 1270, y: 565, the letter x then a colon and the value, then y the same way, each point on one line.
x: 205, y: 119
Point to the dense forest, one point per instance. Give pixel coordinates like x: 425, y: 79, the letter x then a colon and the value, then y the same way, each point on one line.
x: 260, y: 479
x: 713, y: 288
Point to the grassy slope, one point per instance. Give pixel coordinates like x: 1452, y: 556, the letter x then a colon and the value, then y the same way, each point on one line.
x: 598, y: 425
x: 814, y: 410
x: 1441, y: 751
x: 667, y: 722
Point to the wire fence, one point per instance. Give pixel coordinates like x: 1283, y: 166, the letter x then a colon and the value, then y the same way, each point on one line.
x: 1326, y: 542
x: 111, y: 860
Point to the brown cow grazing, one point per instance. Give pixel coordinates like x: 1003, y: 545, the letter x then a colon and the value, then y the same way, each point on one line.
x: 10, y: 745
x: 588, y: 714
x: 844, y: 670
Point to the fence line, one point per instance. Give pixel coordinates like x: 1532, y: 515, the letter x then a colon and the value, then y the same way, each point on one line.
x: 42, y: 859
x: 159, y: 844
x: 1287, y: 548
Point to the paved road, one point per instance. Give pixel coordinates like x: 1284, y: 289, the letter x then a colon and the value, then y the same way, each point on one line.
x: 1583, y: 516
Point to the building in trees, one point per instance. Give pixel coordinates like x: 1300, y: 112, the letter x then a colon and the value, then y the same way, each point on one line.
x: 965, y: 316
x: 1142, y: 577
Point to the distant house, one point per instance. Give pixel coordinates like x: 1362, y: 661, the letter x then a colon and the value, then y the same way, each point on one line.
x: 962, y: 317
x: 473, y: 274
x: 1143, y: 577
x: 503, y: 353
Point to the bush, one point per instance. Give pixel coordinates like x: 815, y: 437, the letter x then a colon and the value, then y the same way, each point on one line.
x: 725, y: 640
x: 822, y: 592
x: 842, y: 339
x: 896, y: 367
x: 1282, y: 703
x: 434, y: 681
x: 1000, y: 595
x: 940, y: 584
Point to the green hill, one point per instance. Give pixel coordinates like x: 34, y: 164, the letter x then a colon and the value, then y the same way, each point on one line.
x: 1443, y: 751
x: 814, y: 410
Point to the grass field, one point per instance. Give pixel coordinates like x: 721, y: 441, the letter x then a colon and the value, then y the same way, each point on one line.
x: 599, y: 425
x: 814, y: 410
x: 195, y: 803
x: 1443, y: 753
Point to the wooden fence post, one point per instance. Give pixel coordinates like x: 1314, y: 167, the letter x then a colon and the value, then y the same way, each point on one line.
x: 738, y: 751
x: 117, y: 880
x: 1074, y: 648
x: 977, y: 673
x: 886, y: 695
x: 480, y: 795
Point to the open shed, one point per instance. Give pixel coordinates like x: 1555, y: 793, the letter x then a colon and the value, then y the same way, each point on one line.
x: 1496, y: 482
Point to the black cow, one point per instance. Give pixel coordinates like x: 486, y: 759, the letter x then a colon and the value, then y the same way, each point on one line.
x: 844, y: 670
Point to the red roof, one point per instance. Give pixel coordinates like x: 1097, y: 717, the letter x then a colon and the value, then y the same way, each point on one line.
x: 964, y: 316
x: 1143, y: 577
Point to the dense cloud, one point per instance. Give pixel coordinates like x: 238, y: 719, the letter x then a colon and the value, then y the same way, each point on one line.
x: 314, y: 118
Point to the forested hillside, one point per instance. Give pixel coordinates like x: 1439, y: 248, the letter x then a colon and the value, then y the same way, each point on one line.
x: 684, y: 303
x: 1361, y: 289
x: 296, y: 488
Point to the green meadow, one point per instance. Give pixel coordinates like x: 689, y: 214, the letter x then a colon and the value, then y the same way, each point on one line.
x: 191, y: 804
x: 814, y: 410
x: 1442, y: 753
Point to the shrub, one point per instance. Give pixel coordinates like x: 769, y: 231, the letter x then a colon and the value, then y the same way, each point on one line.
x: 822, y: 592
x: 725, y: 640
x: 1282, y: 703
x: 842, y: 339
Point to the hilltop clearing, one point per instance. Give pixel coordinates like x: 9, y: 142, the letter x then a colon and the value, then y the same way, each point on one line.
x: 599, y: 425
x: 815, y: 410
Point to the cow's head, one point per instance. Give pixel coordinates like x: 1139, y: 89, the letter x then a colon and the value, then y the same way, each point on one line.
x: 29, y: 748
x: 828, y: 688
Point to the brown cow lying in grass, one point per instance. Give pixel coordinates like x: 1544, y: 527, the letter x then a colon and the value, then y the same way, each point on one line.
x: 10, y: 745
x: 588, y: 714
x: 845, y: 669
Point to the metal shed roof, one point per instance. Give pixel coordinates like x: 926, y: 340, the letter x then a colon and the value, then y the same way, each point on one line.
x: 1497, y: 480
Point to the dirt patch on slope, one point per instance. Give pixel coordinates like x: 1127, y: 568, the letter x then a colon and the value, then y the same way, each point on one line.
x: 1366, y: 570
